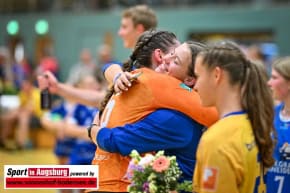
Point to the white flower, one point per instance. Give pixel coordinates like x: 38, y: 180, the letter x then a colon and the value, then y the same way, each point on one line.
x: 145, y: 161
x: 135, y: 155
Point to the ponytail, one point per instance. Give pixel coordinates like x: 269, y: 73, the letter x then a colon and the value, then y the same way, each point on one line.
x: 260, y: 112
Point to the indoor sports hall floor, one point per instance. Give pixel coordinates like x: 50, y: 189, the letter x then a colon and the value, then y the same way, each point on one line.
x: 25, y: 157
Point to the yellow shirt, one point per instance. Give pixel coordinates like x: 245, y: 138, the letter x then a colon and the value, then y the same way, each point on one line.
x: 227, y: 158
x: 32, y: 99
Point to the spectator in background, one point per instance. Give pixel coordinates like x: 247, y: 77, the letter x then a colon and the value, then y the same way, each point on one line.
x: 5, y: 64
x: 68, y: 121
x: 82, y: 117
x: 84, y: 67
x: 76, y: 120
x: 26, y: 116
x: 104, y: 55
x: 2, y: 63
x: 135, y: 20
x: 54, y: 121
x: 21, y: 69
x: 48, y: 63
x: 2, y: 69
x: 6, y: 78
x: 254, y: 53
x: 278, y: 177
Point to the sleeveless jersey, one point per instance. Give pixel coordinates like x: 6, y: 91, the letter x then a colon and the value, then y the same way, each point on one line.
x: 150, y: 92
x: 228, y: 159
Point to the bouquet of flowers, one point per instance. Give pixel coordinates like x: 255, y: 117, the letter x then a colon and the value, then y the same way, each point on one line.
x: 155, y: 174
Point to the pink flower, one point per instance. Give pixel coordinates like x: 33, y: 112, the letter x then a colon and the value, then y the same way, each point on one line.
x: 161, y: 164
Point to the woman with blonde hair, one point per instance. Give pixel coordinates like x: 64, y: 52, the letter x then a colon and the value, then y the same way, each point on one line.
x: 279, y: 175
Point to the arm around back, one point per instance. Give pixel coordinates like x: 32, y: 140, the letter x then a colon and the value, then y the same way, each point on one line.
x: 162, y: 129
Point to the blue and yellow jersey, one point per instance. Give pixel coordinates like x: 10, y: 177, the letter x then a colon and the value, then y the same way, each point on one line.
x: 278, y: 177
x: 227, y: 158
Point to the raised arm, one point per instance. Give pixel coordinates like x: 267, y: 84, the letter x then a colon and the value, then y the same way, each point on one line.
x: 111, y: 71
x: 83, y: 96
x: 115, y: 76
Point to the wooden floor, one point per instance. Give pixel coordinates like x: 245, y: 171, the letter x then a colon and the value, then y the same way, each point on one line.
x: 25, y: 157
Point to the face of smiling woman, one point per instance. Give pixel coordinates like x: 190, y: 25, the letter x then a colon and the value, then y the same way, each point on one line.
x: 176, y: 62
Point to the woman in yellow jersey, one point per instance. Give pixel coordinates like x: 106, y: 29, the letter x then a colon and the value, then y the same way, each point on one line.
x: 234, y: 152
